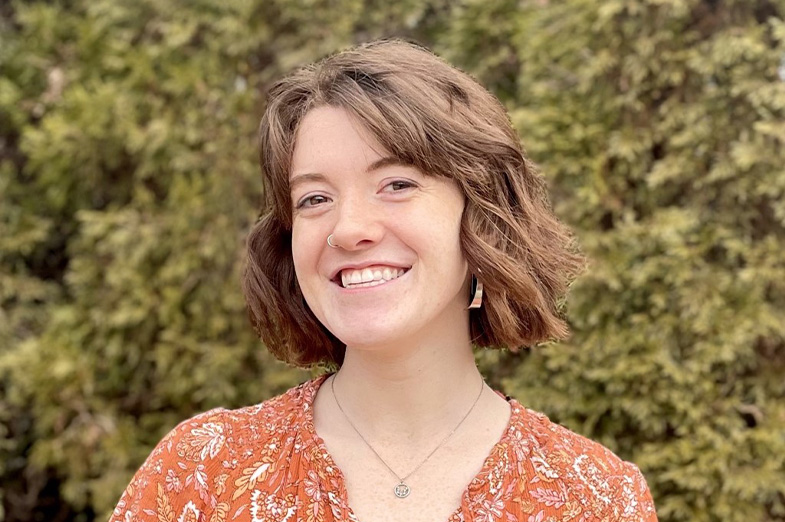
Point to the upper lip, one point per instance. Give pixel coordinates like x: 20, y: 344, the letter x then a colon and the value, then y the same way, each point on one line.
x: 364, y: 264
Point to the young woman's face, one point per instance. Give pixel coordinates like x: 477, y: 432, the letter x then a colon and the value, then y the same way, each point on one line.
x: 398, y: 268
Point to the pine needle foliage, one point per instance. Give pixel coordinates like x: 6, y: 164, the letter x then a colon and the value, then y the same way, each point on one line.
x: 661, y: 126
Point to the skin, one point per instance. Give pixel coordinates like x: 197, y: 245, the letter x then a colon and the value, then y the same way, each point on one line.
x: 409, y: 374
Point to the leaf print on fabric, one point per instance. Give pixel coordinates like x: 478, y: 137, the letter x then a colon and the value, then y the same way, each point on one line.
x: 571, y: 510
x: 597, y: 506
x: 220, y: 513
x: 198, y: 479
x: 520, y: 450
x: 121, y: 506
x: 498, y: 473
x: 311, y: 486
x: 335, y: 506
x: 164, y: 509
x: 489, y: 510
x: 202, y: 442
x: 526, y: 504
x: 173, y: 482
x: 239, y: 511
x: 190, y: 513
x: 257, y: 471
x: 549, y: 497
x: 265, y: 507
x: 559, y: 459
x: 543, y: 469
x: 220, y: 484
x: 536, y: 518
x: 314, y: 496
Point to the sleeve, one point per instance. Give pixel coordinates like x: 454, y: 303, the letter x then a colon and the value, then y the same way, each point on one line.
x: 633, y: 501
x: 174, y: 482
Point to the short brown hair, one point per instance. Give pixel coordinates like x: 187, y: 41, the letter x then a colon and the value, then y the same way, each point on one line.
x: 439, y: 119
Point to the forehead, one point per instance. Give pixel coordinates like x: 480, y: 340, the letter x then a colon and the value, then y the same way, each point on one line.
x: 330, y: 137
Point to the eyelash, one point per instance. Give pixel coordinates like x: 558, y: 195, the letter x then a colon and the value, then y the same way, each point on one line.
x: 408, y: 184
x: 302, y: 203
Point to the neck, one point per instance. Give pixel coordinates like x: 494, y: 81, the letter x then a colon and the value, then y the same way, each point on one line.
x: 410, y: 392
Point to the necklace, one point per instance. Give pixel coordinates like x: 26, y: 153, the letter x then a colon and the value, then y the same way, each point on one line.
x: 402, y: 489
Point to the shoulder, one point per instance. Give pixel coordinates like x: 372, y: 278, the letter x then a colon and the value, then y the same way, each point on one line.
x: 586, y: 472
x: 224, y: 433
x: 565, y: 448
x: 275, y: 417
x: 193, y: 467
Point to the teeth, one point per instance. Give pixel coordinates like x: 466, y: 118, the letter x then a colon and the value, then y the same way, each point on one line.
x: 370, y: 276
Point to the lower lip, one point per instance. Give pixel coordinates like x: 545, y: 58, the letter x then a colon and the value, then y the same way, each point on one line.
x: 371, y: 288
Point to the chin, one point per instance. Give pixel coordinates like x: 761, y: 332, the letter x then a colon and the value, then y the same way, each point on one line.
x: 367, y: 338
x: 365, y: 327
x: 366, y: 333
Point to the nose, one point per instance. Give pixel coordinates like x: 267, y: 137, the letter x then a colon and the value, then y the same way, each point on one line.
x: 358, y: 224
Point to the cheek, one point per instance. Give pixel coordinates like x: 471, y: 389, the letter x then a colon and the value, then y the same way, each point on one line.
x: 303, y: 252
x: 449, y: 241
x: 446, y: 231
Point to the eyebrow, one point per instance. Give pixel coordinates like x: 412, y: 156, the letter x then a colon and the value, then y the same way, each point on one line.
x: 381, y: 163
x: 386, y: 161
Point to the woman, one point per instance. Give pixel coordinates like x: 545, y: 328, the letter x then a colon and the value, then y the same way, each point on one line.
x: 402, y: 224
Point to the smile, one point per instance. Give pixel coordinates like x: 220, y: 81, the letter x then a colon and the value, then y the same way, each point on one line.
x: 369, y: 276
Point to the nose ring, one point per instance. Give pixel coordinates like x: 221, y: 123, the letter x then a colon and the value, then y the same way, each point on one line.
x: 330, y: 241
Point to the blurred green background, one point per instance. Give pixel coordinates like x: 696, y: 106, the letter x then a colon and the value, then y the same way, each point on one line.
x: 128, y: 182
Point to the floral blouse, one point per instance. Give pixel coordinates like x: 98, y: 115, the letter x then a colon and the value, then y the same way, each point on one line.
x: 267, y: 463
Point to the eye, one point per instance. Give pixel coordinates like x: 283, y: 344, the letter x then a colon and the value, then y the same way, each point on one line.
x: 312, y: 201
x: 398, y: 185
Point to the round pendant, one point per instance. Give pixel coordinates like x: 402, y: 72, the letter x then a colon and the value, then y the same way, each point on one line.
x: 402, y: 490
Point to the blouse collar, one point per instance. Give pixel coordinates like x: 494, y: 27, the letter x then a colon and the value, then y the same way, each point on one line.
x: 487, y: 485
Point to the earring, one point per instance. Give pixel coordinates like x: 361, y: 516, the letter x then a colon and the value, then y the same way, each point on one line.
x: 475, y: 293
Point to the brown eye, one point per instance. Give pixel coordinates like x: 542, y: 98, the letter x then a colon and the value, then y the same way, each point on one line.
x: 311, y: 201
x: 399, y: 185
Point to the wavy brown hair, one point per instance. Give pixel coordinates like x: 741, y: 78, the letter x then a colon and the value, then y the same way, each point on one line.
x: 437, y: 118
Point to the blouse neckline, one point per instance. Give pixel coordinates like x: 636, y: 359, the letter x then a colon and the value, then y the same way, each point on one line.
x: 473, y: 494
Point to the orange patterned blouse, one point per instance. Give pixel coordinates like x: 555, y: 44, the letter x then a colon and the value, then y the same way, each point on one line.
x: 267, y: 463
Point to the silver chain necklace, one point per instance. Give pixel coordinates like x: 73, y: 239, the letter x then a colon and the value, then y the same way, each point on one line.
x: 402, y: 489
